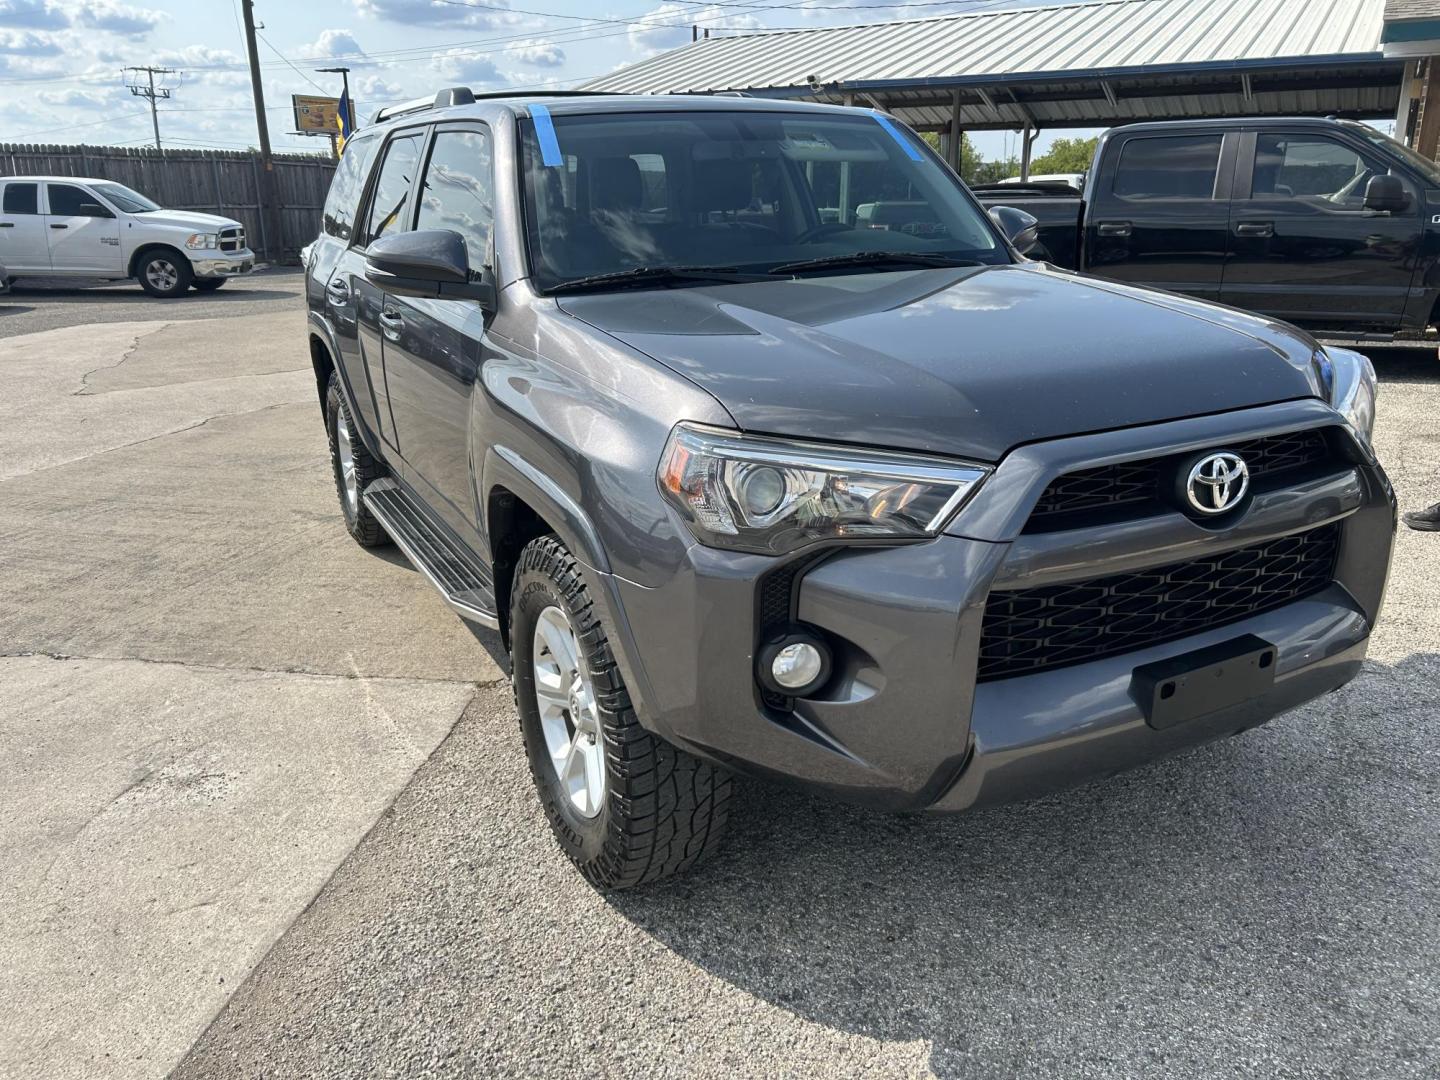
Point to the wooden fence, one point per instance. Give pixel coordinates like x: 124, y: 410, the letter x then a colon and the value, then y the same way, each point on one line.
x: 223, y: 182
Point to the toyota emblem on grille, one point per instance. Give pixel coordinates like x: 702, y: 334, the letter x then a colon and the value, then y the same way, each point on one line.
x: 1217, y: 482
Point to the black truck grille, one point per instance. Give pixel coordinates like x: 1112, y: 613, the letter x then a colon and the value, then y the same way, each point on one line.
x: 1052, y: 626
x: 1092, y: 492
x: 232, y: 239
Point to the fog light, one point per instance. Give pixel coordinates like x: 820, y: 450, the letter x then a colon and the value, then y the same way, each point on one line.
x: 795, y: 665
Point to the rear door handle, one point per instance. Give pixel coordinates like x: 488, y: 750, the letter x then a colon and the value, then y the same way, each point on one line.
x: 1113, y: 228
x: 338, y: 292
x: 1255, y: 228
x: 55, y: 226
x: 392, y: 323
x: 7, y: 224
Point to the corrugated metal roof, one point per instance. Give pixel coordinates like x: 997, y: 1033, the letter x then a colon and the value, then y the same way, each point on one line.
x: 1109, y: 38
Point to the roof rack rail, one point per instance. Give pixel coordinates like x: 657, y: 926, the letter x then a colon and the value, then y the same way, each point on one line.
x: 463, y: 95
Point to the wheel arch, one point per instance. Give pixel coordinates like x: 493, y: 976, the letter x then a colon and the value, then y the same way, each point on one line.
x: 145, y: 249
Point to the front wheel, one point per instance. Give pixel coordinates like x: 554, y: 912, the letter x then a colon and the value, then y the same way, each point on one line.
x: 625, y: 806
x: 164, y: 273
x: 209, y: 284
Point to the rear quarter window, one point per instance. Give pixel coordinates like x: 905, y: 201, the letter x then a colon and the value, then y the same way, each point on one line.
x: 1168, y: 167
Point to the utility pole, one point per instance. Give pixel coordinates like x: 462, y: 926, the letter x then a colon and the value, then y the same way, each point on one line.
x: 150, y: 92
x: 344, y: 73
x: 270, y: 229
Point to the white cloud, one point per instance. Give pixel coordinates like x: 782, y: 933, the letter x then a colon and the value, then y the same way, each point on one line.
x: 332, y: 43
x: 25, y: 43
x: 426, y: 13
x: 536, y: 53
x: 669, y: 26
x: 33, y: 15
x: 466, y: 66
x: 117, y: 18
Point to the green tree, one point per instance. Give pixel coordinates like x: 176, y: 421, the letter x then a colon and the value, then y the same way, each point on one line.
x: 1066, y: 156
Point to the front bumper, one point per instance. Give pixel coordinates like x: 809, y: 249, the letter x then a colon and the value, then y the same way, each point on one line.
x: 226, y: 264
x: 904, y: 725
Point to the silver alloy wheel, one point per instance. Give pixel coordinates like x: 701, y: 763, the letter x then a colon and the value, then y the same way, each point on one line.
x: 161, y: 273
x: 348, y: 479
x: 569, y: 715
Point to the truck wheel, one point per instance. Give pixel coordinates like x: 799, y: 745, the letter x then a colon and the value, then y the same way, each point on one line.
x: 208, y: 284
x: 354, y: 468
x: 626, y: 806
x: 163, y: 272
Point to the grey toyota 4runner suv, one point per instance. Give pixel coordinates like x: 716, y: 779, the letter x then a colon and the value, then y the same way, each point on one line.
x: 765, y: 450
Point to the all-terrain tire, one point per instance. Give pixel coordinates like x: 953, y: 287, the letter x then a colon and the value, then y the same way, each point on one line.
x: 663, y: 811
x: 362, y: 468
x: 164, y: 272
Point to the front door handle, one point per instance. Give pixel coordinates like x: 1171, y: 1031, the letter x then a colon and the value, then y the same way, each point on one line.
x: 1255, y: 228
x: 1113, y: 228
x: 7, y: 224
x: 53, y: 225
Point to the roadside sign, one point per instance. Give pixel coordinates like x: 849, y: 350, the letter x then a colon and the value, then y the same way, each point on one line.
x: 317, y: 115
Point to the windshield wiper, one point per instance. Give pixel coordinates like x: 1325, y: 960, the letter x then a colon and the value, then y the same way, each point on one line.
x: 872, y: 258
x: 655, y: 275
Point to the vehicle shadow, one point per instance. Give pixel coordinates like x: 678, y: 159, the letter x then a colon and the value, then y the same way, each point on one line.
x: 130, y: 293
x: 1245, y: 890
x: 1401, y: 365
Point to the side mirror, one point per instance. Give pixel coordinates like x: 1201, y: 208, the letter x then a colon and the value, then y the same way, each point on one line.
x: 1386, y: 193
x: 1020, y: 228
x: 90, y: 209
x: 431, y: 263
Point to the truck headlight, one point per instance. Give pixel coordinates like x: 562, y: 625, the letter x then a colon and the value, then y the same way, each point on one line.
x: 772, y: 496
x: 204, y: 240
x: 1350, y: 383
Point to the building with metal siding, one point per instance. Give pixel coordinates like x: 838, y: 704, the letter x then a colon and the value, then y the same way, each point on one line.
x: 1078, y: 65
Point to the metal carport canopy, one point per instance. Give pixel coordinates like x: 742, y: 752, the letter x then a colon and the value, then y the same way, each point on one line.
x: 1074, y: 65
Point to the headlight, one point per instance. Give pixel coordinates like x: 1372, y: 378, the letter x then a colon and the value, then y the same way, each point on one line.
x: 203, y: 240
x: 772, y: 496
x: 1349, y: 380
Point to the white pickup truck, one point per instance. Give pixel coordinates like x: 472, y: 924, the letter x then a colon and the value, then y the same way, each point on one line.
x: 68, y: 226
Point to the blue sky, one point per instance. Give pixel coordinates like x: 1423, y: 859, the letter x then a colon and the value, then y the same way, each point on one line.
x: 62, y: 61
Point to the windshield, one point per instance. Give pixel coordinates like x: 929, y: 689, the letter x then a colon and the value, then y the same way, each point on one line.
x: 1419, y: 162
x: 748, y: 191
x: 132, y: 202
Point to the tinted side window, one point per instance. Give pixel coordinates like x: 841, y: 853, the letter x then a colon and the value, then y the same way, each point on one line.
x: 1311, y: 168
x: 459, y: 190
x: 390, y: 206
x: 1168, y: 167
x: 66, y: 200
x: 21, y: 199
x: 344, y: 198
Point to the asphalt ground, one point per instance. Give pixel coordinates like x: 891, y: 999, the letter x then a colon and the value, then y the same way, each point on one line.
x: 266, y: 811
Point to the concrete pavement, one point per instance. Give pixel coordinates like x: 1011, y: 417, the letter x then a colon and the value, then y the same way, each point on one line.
x: 207, y: 693
x: 220, y: 856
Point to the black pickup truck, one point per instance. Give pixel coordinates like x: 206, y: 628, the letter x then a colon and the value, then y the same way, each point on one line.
x: 1324, y: 223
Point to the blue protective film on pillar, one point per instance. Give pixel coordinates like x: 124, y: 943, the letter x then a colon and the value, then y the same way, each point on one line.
x: 545, y: 134
x: 899, y: 137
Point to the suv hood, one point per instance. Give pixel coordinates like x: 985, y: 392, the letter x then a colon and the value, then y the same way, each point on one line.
x: 965, y: 362
x: 185, y: 219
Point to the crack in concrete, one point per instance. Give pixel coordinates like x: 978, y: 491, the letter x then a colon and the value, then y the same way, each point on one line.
x: 188, y: 382
x: 26, y: 654
x: 147, y: 439
x: 130, y: 351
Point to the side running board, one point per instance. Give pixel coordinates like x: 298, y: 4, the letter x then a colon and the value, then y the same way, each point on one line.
x: 461, y: 578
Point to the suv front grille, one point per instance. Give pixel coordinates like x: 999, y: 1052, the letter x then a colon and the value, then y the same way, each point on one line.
x: 1130, y: 485
x: 1052, y: 626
